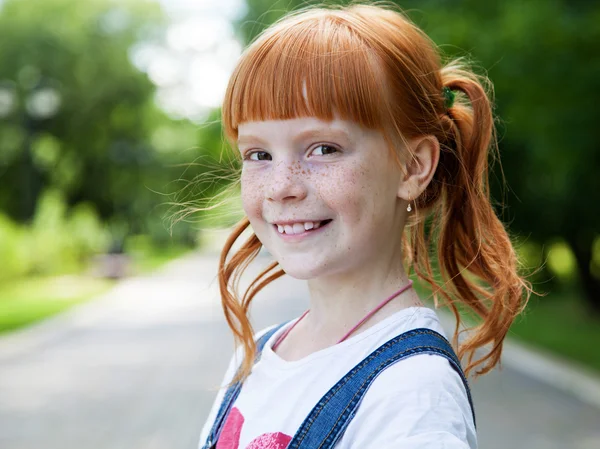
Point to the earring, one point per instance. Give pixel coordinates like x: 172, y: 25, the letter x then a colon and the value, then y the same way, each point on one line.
x: 408, y: 209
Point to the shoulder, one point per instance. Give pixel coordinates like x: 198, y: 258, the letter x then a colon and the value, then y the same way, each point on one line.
x: 420, y: 399
x: 429, y: 371
x: 424, y: 376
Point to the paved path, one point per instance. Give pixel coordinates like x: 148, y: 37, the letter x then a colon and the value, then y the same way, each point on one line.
x: 137, y: 368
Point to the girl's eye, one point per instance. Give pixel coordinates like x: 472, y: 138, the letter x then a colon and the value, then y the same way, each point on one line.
x: 258, y: 156
x: 323, y: 150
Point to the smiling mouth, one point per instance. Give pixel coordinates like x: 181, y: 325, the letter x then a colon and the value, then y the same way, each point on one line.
x: 300, y: 228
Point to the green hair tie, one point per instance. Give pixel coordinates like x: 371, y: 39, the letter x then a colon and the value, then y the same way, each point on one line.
x: 448, y: 97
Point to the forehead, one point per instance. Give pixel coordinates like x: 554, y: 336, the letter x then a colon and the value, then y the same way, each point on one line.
x: 298, y: 127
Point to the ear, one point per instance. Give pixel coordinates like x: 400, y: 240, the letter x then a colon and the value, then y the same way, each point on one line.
x: 420, y: 166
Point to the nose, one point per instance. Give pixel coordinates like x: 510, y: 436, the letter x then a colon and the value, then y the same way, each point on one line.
x: 286, y: 183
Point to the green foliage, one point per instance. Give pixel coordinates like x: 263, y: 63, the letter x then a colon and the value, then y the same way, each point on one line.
x: 50, y: 245
x: 25, y: 301
x: 561, y: 323
x: 96, y: 132
x: 14, y: 254
x: 84, y: 123
x: 55, y: 242
x: 146, y: 255
x: 87, y: 231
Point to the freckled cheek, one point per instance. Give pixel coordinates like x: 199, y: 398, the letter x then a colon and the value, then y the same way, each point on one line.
x: 252, y: 195
x: 343, y: 190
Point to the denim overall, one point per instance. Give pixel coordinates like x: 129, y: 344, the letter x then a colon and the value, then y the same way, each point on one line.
x: 327, y: 421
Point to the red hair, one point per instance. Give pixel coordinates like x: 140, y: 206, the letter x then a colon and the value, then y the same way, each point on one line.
x: 375, y: 67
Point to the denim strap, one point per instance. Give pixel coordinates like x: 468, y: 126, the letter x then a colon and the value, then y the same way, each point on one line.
x: 328, y: 420
x: 233, y: 392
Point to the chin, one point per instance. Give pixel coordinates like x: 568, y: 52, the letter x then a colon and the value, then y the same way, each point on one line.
x: 302, y: 269
x: 301, y: 275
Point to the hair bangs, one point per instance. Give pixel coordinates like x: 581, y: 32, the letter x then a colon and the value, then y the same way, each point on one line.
x: 314, y: 67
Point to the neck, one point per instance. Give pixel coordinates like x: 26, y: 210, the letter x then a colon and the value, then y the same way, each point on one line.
x: 339, y: 302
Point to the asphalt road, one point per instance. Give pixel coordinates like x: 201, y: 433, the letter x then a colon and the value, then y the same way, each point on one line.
x: 138, y: 368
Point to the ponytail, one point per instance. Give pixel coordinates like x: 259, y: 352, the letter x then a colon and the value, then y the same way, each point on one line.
x: 236, y: 312
x: 473, y: 247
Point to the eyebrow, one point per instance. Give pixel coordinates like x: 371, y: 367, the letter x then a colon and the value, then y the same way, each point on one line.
x: 307, y: 134
x: 249, y: 139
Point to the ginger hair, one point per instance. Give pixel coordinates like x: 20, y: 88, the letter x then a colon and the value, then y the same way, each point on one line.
x: 373, y: 66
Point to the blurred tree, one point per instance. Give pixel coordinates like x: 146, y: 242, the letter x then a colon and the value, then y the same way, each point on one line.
x: 78, y: 117
x: 543, y: 58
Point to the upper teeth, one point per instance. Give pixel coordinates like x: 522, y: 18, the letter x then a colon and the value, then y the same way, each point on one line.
x: 298, y: 228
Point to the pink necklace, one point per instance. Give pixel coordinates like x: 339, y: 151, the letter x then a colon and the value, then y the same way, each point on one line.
x: 369, y: 315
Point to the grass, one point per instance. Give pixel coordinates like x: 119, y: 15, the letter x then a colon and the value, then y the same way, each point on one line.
x: 562, y: 324
x: 31, y: 299
x: 27, y: 300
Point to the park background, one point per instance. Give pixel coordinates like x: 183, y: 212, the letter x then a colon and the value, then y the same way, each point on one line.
x: 109, y: 135
x: 110, y: 138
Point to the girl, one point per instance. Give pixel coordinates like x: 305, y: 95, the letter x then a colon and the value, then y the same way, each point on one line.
x: 362, y: 154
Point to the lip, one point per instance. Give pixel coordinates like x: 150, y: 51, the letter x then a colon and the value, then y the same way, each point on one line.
x: 292, y: 222
x: 299, y: 237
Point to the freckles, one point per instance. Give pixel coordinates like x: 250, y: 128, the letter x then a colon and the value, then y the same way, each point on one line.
x: 293, y: 170
x: 252, y: 189
x: 251, y: 186
x: 250, y: 197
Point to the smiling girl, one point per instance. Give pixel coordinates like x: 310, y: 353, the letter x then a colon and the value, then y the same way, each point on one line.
x: 362, y: 156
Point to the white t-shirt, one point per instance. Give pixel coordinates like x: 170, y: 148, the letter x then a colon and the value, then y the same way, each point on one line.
x: 417, y: 403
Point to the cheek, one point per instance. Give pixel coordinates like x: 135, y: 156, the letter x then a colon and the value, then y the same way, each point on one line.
x: 359, y: 193
x: 252, y: 194
x: 346, y: 190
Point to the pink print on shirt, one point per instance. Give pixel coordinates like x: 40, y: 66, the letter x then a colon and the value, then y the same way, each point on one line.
x: 230, y: 435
